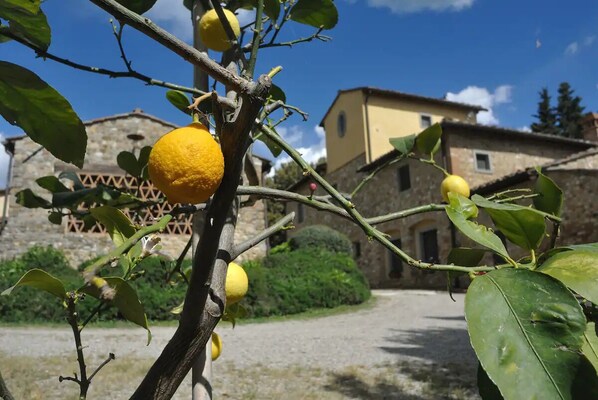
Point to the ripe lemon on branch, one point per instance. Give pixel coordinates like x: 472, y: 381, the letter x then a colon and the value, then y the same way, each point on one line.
x: 216, y: 346
x: 455, y: 184
x: 212, y: 31
x: 186, y: 164
x: 237, y: 283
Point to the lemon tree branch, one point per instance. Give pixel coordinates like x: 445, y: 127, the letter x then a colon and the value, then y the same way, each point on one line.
x: 174, y: 44
x: 362, y: 222
x: 4, y: 392
x: 280, y: 225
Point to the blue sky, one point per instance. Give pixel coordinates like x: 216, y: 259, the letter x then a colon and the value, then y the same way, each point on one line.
x: 496, y: 53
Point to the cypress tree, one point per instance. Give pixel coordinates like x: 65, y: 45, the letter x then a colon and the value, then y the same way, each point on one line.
x: 547, y: 119
x: 569, y: 112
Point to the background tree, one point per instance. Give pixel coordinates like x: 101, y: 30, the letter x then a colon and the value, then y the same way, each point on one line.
x: 546, y: 115
x: 569, y: 112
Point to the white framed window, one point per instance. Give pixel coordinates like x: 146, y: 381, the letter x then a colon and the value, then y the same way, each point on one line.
x: 482, y: 161
x: 425, y: 121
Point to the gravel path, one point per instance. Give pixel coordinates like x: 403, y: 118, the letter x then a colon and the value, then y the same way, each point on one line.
x: 402, y: 326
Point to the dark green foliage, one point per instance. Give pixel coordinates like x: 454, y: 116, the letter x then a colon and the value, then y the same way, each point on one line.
x: 296, y: 281
x: 321, y: 236
x: 546, y: 116
x: 569, y: 111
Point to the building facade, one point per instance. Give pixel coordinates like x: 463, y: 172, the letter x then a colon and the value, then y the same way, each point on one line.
x: 478, y: 153
x: 107, y: 137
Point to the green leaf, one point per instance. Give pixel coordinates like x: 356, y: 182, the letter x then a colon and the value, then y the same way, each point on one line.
x: 137, y: 6
x: 126, y: 300
x: 590, y: 344
x: 520, y: 225
x: 179, y: 100
x: 72, y: 199
x: 316, y: 13
x: 118, y: 225
x: 276, y: 93
x: 273, y: 147
x: 428, y: 140
x: 27, y: 21
x: 550, y: 196
x: 459, y: 211
x: 526, y: 329
x: 52, y: 184
x: 578, y: 269
x: 144, y: 154
x: 40, y: 280
x: 43, y: 114
x: 73, y: 177
x: 128, y: 163
x: 271, y: 9
x: 28, y: 199
x: 55, y: 217
x: 487, y: 388
x: 403, y: 145
x: 466, y: 257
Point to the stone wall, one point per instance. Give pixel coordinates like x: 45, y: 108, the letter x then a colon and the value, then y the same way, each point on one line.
x: 106, y: 138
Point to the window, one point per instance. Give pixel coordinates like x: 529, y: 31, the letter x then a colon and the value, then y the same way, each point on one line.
x: 429, y: 246
x: 425, y: 121
x: 356, y: 249
x: 395, y: 263
x: 181, y: 225
x: 482, y: 161
x: 341, y: 124
x: 404, y: 179
x: 300, y: 213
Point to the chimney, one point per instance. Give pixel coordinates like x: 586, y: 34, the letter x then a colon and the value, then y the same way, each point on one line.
x: 589, y: 127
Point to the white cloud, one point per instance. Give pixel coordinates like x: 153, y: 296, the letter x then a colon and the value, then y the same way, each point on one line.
x: 413, y: 6
x: 524, y: 129
x: 589, y: 40
x: 3, y: 163
x: 572, y: 48
x: 482, y: 97
x: 176, y: 18
x: 298, y: 138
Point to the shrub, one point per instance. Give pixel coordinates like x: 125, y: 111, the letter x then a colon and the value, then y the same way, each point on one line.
x: 321, y: 236
x: 293, y: 282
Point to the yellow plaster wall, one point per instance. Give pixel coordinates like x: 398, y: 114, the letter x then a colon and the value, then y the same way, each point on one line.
x: 392, y: 117
x: 341, y: 150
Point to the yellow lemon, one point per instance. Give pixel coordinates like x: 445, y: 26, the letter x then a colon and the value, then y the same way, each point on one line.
x: 455, y: 184
x: 186, y: 164
x: 237, y: 283
x: 212, y: 31
x: 216, y: 346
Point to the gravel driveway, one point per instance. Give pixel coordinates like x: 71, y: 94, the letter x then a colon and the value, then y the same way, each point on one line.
x: 403, y: 326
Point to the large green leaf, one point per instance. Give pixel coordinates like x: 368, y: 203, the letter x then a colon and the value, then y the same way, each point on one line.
x: 144, y: 154
x: 272, y: 9
x: 137, y: 6
x: 318, y: 13
x: 179, y: 100
x: 118, y: 225
x: 40, y: 280
x: 273, y: 147
x: 125, y: 299
x: 51, y: 184
x: 28, y: 199
x: 590, y: 344
x: 526, y: 329
x: 487, y: 388
x: 26, y: 20
x: 521, y: 225
x: 276, y: 93
x: 550, y: 196
x: 428, y: 140
x: 128, y: 163
x: 404, y: 144
x: 465, y: 256
x: 578, y: 269
x: 459, y: 211
x: 43, y: 114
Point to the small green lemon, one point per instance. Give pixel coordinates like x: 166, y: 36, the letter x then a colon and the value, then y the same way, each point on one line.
x: 455, y: 184
x: 237, y: 283
x: 212, y: 31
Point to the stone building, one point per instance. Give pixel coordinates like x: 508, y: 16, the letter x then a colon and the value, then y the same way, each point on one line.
x: 106, y: 138
x: 358, y: 125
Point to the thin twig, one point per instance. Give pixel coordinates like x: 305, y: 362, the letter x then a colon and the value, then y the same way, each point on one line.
x: 281, y: 224
x: 72, y: 320
x: 506, y: 192
x: 4, y: 392
x: 291, y: 43
x: 255, y: 42
x: 179, y: 262
x: 111, y: 357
